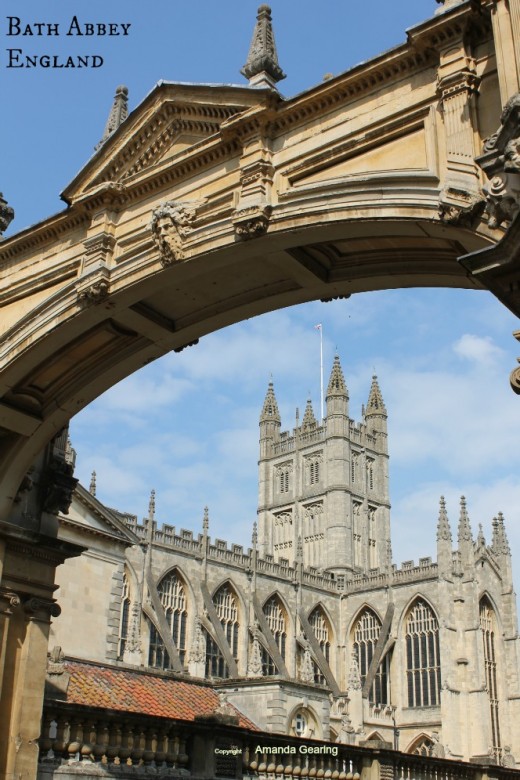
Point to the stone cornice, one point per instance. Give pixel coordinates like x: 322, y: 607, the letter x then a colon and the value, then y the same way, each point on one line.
x: 36, y: 547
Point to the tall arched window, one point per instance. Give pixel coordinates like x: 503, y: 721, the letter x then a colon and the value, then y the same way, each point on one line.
x: 226, y: 605
x: 488, y: 629
x: 320, y: 626
x: 423, y: 667
x: 173, y: 598
x: 366, y: 634
x: 124, y: 617
x: 275, y: 615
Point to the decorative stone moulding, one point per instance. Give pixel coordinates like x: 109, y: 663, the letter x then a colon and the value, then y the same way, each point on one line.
x: 251, y: 222
x: 500, y: 161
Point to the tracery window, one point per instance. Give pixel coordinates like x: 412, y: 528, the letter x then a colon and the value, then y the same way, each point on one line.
x: 366, y: 634
x: 226, y: 605
x: 320, y: 626
x: 276, y: 621
x: 423, y: 668
x: 173, y: 599
x: 124, y: 617
x: 488, y: 629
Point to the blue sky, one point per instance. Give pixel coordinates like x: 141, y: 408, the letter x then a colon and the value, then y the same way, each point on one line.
x: 187, y: 425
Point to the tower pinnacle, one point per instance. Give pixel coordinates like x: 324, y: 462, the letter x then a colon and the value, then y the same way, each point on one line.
x: 270, y: 411
x: 375, y: 404
x: 262, y: 68
x: 337, y: 384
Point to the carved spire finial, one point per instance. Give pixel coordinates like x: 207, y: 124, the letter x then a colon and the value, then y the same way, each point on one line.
x: 205, y: 521
x: 262, y: 68
x: 254, y: 539
x: 92, y: 486
x: 309, y: 420
x: 118, y: 113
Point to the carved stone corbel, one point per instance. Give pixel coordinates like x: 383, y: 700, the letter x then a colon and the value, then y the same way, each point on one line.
x: 460, y: 207
x: 94, y: 290
x: 60, y: 484
x: 171, y: 224
x: 251, y: 222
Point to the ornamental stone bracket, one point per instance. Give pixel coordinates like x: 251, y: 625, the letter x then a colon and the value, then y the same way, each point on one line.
x: 251, y: 222
x: 59, y: 486
x: 500, y: 161
x: 171, y: 224
x: 94, y: 288
x: 6, y: 214
x: 459, y: 206
x: 8, y: 601
x: 514, y: 377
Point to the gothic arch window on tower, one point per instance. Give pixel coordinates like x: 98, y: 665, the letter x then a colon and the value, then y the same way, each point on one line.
x: 354, y: 467
x: 276, y: 620
x: 356, y: 532
x: 226, y: 605
x: 283, y: 477
x: 313, y: 471
x: 423, y: 668
x: 173, y: 599
x: 366, y: 634
x: 370, y: 473
x: 320, y: 626
x: 488, y: 629
x: 124, y: 617
x: 372, y: 536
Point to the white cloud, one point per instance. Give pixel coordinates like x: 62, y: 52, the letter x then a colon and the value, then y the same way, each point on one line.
x: 477, y: 349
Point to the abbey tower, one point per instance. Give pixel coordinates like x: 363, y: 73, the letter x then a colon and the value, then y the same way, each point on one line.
x: 323, y: 487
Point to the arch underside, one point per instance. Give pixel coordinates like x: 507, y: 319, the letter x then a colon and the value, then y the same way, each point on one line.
x: 61, y: 356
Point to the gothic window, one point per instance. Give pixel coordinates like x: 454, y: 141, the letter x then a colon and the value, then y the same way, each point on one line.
x: 275, y: 616
x: 283, y: 478
x: 488, y: 629
x: 370, y: 473
x: 366, y: 634
x: 422, y: 747
x: 226, y: 605
x: 124, y: 617
x: 423, y: 668
x: 354, y: 467
x: 321, y: 630
x: 173, y: 599
x: 313, y: 469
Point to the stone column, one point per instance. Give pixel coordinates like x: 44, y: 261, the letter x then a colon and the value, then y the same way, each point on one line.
x: 505, y: 16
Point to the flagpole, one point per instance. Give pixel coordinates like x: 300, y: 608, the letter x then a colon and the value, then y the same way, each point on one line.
x: 319, y: 328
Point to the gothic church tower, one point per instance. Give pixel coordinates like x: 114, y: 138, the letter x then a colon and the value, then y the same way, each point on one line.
x: 323, y: 487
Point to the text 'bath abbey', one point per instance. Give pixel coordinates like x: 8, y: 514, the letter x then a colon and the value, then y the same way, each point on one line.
x: 313, y: 631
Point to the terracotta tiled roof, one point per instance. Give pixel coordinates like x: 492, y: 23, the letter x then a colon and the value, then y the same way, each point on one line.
x: 91, y: 685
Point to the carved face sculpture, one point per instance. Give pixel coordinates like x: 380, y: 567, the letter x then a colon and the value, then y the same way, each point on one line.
x: 167, y: 238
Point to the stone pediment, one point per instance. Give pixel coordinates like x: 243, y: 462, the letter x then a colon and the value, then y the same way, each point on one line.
x: 89, y: 516
x: 172, y: 121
